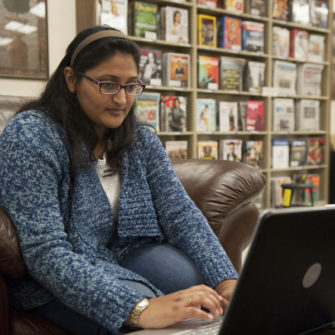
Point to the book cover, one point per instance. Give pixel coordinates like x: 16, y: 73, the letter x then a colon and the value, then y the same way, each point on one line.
x: 231, y: 73
x: 174, y: 24
x: 307, y: 115
x: 173, y: 113
x: 255, y: 115
x: 208, y: 150
x: 177, y: 69
x: 298, y: 152
x: 255, y: 7
x: 280, y: 42
x: 208, y: 3
x: 147, y: 109
x: 277, y: 190
x: 206, y: 115
x: 309, y: 79
x: 299, y: 44
x: 283, y: 114
x: 230, y: 33
x: 314, y: 181
x: 253, y: 36
x: 228, y: 116
x: 254, y: 76
x: 114, y: 13
x: 150, y: 70
x: 145, y: 20
x: 234, y: 5
x: 253, y: 153
x: 242, y: 115
x: 208, y: 72
x: 176, y: 149
x: 315, y: 151
x: 299, y: 12
x: 319, y: 13
x: 316, y: 47
x: 207, y: 30
x: 280, y: 10
x: 231, y: 150
x: 280, y: 153
x: 284, y: 77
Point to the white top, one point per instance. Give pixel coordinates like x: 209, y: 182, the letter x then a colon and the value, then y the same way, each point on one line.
x: 110, y: 183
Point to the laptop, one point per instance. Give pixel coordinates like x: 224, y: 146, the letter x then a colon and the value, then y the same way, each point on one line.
x: 287, y: 283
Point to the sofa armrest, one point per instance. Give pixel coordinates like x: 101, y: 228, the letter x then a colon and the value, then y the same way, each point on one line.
x: 4, y: 328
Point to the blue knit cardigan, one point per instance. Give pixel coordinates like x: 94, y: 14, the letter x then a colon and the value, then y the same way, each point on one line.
x: 66, y: 229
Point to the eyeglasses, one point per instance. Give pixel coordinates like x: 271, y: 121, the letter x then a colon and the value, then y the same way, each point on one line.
x: 108, y: 87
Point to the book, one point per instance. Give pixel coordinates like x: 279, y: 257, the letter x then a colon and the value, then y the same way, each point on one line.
x: 280, y: 42
x: 150, y: 70
x: 176, y: 69
x: 234, y: 5
x: 174, y: 24
x: 173, y: 113
x: 207, y: 30
x: 299, y: 44
x: 231, y: 149
x: 298, y: 152
x: 242, y: 114
x: 280, y: 10
x: 231, y: 73
x: 208, y: 72
x: 114, y: 13
x: 145, y: 20
x: 228, y: 116
x: 176, y: 149
x: 315, y: 151
x: 147, y: 109
x: 280, y: 153
x: 284, y: 77
x: 316, y: 47
x: 230, y: 33
x: 255, y: 115
x: 206, y: 115
x: 277, y: 190
x: 319, y: 13
x: 283, y: 114
x: 208, y: 150
x: 208, y: 3
x: 253, y: 36
x: 300, y: 12
x: 307, y: 115
x: 255, y: 7
x: 314, y: 181
x: 309, y: 79
x: 254, y: 76
x: 253, y: 153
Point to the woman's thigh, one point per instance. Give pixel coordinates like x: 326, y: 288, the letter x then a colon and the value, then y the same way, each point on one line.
x: 166, y: 267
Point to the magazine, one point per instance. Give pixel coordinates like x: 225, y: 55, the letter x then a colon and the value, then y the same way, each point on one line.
x: 228, y: 116
x: 254, y: 76
x: 176, y: 149
x: 207, y: 30
x: 280, y: 10
x: 147, y: 109
x: 208, y: 70
x: 280, y: 153
x: 150, y: 71
x: 114, y: 13
x: 231, y: 73
x: 283, y: 114
x: 255, y: 115
x: 298, y: 152
x: 255, y: 7
x: 208, y: 150
x: 234, y: 5
x: 242, y: 114
x: 174, y: 24
x: 280, y: 42
x: 253, y: 153
x: 315, y: 151
x: 308, y: 115
x: 231, y: 149
x: 309, y: 79
x: 299, y: 44
x: 206, y: 115
x: 284, y: 77
x: 208, y: 3
x: 230, y: 33
x: 173, y: 113
x: 300, y: 12
x: 145, y: 20
x: 316, y: 47
x: 176, y: 70
x: 253, y: 36
x: 319, y: 13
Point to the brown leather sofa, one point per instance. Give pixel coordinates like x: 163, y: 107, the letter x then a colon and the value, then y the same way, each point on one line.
x: 223, y: 191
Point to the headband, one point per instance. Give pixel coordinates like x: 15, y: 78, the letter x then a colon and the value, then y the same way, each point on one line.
x: 91, y: 38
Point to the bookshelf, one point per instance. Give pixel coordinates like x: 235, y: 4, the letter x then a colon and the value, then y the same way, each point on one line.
x: 87, y: 15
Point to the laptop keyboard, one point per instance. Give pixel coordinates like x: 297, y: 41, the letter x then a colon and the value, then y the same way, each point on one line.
x: 209, y: 329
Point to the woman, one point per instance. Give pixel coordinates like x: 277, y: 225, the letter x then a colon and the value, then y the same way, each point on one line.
x: 107, y: 232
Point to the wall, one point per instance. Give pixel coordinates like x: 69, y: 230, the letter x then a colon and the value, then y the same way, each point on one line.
x: 61, y: 30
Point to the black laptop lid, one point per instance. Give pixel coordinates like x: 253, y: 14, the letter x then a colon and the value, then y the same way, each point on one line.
x: 287, y: 284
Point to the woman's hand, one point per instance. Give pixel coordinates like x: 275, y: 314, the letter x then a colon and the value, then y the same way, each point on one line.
x: 225, y: 289
x: 171, y: 308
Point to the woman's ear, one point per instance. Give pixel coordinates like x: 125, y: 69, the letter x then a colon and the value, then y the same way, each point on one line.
x: 70, y: 79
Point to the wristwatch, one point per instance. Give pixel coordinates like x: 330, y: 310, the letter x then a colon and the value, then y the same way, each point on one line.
x: 136, y: 312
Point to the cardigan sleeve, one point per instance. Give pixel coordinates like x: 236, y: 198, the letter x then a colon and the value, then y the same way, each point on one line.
x: 33, y: 164
x: 182, y: 222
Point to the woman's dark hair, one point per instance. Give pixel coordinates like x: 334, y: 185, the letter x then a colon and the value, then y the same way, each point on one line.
x: 62, y: 106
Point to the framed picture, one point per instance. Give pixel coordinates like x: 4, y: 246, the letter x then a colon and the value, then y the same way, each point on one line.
x: 23, y: 39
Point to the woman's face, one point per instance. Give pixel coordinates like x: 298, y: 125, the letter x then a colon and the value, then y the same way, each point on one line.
x: 107, y: 111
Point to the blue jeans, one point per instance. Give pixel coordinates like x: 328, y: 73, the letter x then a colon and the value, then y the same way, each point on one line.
x: 164, y: 266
